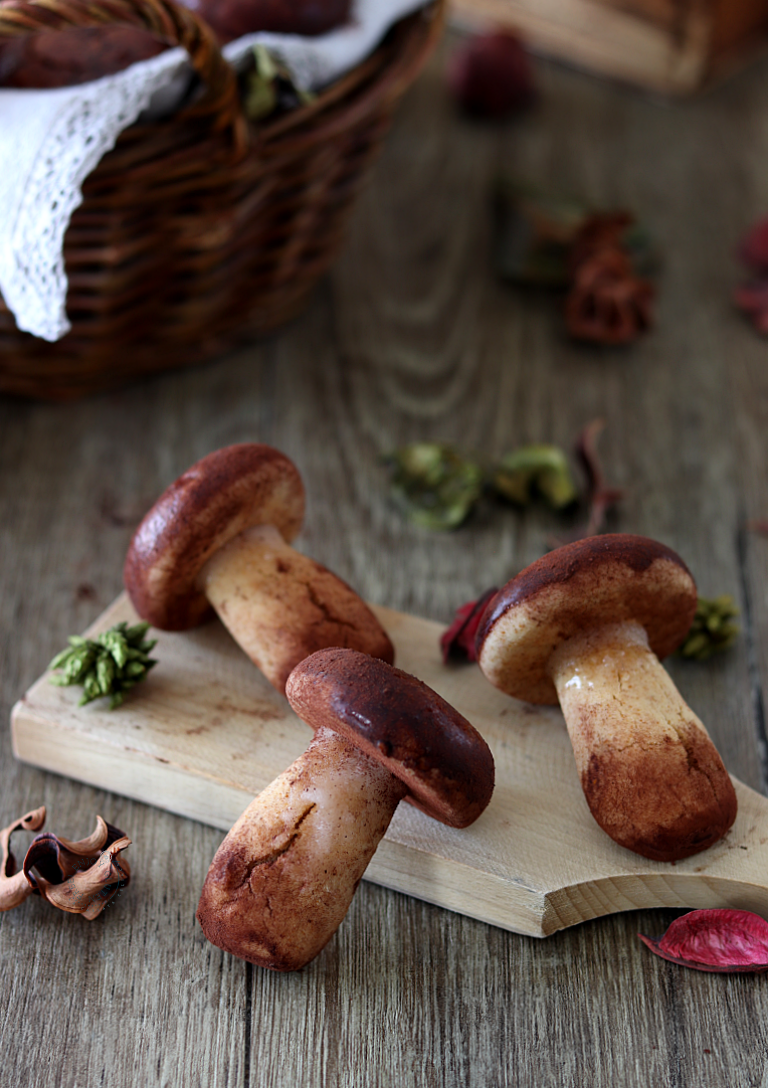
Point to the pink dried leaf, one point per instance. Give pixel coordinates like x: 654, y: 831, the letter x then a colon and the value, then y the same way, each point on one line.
x: 14, y: 887
x: 753, y: 249
x: 724, y: 941
x: 758, y: 525
x: 458, y: 640
x: 752, y: 299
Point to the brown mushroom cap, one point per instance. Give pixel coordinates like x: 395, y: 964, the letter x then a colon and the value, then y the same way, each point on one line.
x: 230, y: 490
x: 602, y: 579
x: 401, y: 723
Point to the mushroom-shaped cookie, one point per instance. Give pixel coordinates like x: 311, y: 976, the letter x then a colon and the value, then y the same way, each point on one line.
x: 282, y: 880
x: 586, y: 625
x: 220, y: 536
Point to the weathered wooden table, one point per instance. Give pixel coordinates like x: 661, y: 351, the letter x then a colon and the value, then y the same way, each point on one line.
x: 412, y: 337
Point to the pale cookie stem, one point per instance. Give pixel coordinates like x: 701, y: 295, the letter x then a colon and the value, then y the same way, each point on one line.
x: 281, y: 606
x: 651, y: 776
x: 282, y: 880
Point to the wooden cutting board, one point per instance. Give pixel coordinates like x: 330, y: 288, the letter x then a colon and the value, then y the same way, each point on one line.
x: 205, y: 733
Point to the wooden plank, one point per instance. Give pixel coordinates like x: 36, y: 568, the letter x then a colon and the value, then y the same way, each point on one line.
x: 206, y: 733
x: 665, y: 48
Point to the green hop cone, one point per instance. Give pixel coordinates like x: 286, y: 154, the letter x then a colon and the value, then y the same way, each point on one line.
x: 712, y: 630
x: 109, y: 665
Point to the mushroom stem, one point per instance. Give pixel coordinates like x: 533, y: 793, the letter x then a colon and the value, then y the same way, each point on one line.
x: 282, y: 606
x: 284, y: 877
x: 652, y: 777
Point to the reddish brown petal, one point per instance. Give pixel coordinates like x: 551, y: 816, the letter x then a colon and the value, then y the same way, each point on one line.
x: 14, y: 887
x: 753, y: 250
x: 715, y: 940
x: 459, y: 639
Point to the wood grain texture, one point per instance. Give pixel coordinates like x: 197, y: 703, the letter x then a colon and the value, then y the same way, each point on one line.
x: 412, y: 337
x: 206, y: 733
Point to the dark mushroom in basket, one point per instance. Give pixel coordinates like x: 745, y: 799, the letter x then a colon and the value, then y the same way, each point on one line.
x: 586, y: 626
x: 282, y: 880
x: 219, y: 536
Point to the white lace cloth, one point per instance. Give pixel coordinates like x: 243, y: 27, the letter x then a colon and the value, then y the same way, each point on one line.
x: 51, y: 140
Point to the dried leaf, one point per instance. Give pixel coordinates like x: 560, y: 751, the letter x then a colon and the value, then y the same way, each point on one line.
x: 434, y: 485
x: 752, y: 299
x: 715, y: 940
x: 601, y: 497
x: 458, y: 640
x: 753, y: 249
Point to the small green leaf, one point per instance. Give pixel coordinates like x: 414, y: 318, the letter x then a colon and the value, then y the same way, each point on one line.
x: 434, y: 485
x: 537, y: 468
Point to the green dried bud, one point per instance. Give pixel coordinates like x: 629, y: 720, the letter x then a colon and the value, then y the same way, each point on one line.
x: 110, y: 664
x: 270, y: 86
x: 537, y: 468
x: 712, y: 629
x: 434, y: 485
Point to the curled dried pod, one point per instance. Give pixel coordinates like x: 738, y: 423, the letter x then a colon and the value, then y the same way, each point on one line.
x: 78, y: 877
x: 586, y: 625
x: 14, y: 886
x: 282, y: 880
x: 219, y: 537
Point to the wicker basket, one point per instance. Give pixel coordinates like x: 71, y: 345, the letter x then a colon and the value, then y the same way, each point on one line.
x: 199, y: 232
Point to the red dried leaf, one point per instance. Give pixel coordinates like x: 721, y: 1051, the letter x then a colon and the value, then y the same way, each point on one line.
x: 490, y: 75
x: 459, y: 639
x: 759, y: 525
x: 752, y: 299
x: 753, y: 249
x: 601, y: 496
x: 732, y: 941
x: 607, y: 303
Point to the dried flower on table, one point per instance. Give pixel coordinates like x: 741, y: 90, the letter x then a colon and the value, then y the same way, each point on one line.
x: 434, y: 485
x: 79, y: 877
x: 607, y: 303
x: 753, y: 249
x: 14, y: 886
x: 535, y: 232
x: 715, y: 940
x: 490, y: 75
x: 537, y: 468
x: 712, y: 629
x: 111, y: 664
x: 752, y: 297
x: 458, y: 640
